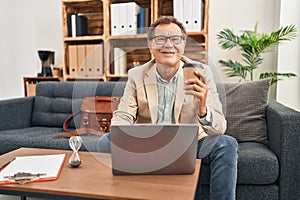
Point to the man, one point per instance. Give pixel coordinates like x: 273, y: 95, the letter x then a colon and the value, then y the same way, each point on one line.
x: 157, y: 93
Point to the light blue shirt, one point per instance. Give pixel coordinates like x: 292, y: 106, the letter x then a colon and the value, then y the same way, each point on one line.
x: 166, y: 97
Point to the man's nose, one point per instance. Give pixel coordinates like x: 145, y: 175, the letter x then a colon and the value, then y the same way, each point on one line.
x: 169, y: 43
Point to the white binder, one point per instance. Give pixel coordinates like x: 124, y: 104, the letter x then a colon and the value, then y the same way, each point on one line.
x: 187, y: 15
x: 73, y: 25
x: 120, y: 61
x: 123, y: 62
x: 197, y: 19
x: 116, y: 61
x: 123, y: 18
x: 114, y: 19
x: 132, y: 15
x: 178, y: 10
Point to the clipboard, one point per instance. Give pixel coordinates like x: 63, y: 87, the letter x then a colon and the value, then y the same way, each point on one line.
x: 37, y: 168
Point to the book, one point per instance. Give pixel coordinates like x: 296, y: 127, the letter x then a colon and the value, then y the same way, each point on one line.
x: 48, y: 166
x: 147, y: 19
x: 120, y: 61
x: 77, y: 25
x: 141, y: 21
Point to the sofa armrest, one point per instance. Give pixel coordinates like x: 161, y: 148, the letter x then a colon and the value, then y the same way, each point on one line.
x: 16, y: 113
x: 284, y: 137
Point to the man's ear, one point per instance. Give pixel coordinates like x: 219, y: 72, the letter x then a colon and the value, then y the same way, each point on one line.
x: 184, y: 43
x: 150, y: 46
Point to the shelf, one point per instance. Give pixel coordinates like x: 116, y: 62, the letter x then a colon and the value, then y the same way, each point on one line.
x: 76, y: 1
x: 122, y: 37
x: 133, y: 47
x: 83, y: 38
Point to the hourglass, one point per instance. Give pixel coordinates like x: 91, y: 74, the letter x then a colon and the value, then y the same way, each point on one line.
x: 75, y: 143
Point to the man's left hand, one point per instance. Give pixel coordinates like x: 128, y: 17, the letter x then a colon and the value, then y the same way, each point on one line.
x: 198, y: 88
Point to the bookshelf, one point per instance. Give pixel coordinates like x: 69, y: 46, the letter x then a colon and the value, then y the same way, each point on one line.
x: 133, y: 47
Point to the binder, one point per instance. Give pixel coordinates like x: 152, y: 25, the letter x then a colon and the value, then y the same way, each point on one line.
x: 94, y: 60
x: 123, y: 18
x: 49, y: 166
x: 81, y: 60
x: 120, y: 61
x: 99, y: 57
x: 81, y: 25
x: 133, y: 10
x: 114, y: 19
x: 147, y: 19
x: 187, y: 15
x: 73, y: 25
x: 123, y: 62
x: 69, y: 21
x: 78, y: 25
x: 116, y: 60
x: 141, y: 21
x: 72, y: 58
x: 90, y: 59
x: 178, y: 10
x: 197, y: 15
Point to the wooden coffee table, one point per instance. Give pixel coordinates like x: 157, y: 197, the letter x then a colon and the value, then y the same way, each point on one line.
x: 94, y: 180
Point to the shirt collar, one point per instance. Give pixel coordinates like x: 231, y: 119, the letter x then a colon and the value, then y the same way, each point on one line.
x: 173, y: 79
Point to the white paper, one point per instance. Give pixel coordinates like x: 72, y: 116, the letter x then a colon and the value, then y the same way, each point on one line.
x: 41, y: 164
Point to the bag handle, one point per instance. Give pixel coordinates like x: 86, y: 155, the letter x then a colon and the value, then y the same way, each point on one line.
x: 79, y: 131
x: 68, y: 120
x: 107, y: 98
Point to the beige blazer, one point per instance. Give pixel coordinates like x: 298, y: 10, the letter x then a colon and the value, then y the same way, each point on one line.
x: 139, y: 103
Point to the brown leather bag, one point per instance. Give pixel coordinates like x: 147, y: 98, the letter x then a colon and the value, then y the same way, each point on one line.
x: 96, y: 116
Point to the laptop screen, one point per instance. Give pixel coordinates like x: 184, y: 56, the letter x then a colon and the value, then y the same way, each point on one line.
x: 153, y: 148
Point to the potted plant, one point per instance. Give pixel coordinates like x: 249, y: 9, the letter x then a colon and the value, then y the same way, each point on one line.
x: 252, y: 45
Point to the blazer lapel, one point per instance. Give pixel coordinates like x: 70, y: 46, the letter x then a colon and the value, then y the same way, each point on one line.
x: 180, y: 95
x: 150, y: 84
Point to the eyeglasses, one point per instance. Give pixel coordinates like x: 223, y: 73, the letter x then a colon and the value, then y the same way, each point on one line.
x: 161, y: 40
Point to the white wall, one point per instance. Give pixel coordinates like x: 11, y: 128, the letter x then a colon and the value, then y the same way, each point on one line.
x: 26, y: 26
x: 241, y: 15
x: 288, y: 91
x: 270, y: 14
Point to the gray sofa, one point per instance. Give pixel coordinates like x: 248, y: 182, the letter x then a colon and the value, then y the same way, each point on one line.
x: 267, y: 169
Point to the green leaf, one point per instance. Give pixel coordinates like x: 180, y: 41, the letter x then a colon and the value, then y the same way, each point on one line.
x: 234, y: 68
x: 275, y: 76
x: 227, y: 39
x: 252, y: 45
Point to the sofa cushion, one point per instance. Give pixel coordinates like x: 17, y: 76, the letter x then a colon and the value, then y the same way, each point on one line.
x: 244, y: 105
x: 55, y: 101
x: 257, y: 165
x: 41, y: 137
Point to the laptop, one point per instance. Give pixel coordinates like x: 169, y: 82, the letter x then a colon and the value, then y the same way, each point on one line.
x: 153, y: 148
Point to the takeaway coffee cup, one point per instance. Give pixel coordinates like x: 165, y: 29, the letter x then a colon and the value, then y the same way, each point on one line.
x: 189, y: 70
